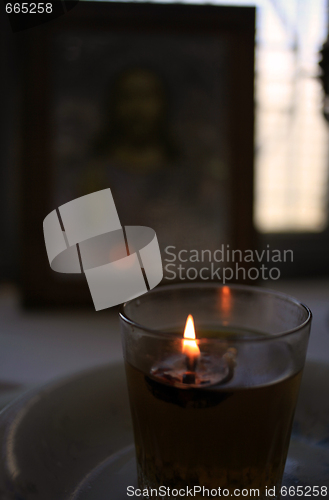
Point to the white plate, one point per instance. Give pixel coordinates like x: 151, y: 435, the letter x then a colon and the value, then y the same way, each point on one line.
x: 73, y: 440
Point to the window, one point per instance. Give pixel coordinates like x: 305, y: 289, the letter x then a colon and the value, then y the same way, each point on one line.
x: 292, y: 134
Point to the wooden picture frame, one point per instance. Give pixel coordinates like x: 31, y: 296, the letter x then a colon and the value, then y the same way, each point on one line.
x: 223, y: 97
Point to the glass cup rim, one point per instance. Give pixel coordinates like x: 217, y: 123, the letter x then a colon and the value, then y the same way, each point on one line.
x: 181, y: 286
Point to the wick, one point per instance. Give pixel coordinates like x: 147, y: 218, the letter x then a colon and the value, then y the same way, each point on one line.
x: 189, y: 378
x: 191, y: 363
x: 189, y: 375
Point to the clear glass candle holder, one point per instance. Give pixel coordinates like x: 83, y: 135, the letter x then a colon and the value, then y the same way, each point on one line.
x: 224, y: 424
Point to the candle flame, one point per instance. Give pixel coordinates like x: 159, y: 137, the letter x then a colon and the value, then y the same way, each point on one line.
x: 190, y: 347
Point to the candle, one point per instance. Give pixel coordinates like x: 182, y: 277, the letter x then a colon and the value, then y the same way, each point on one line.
x: 193, y: 367
x: 212, y: 403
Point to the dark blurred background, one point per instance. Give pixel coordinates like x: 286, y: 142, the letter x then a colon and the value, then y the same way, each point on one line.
x: 290, y: 178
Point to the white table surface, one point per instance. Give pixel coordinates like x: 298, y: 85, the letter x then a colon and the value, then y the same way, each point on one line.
x: 37, y: 347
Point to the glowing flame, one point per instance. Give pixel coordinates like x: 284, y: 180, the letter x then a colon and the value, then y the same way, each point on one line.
x: 190, y: 347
